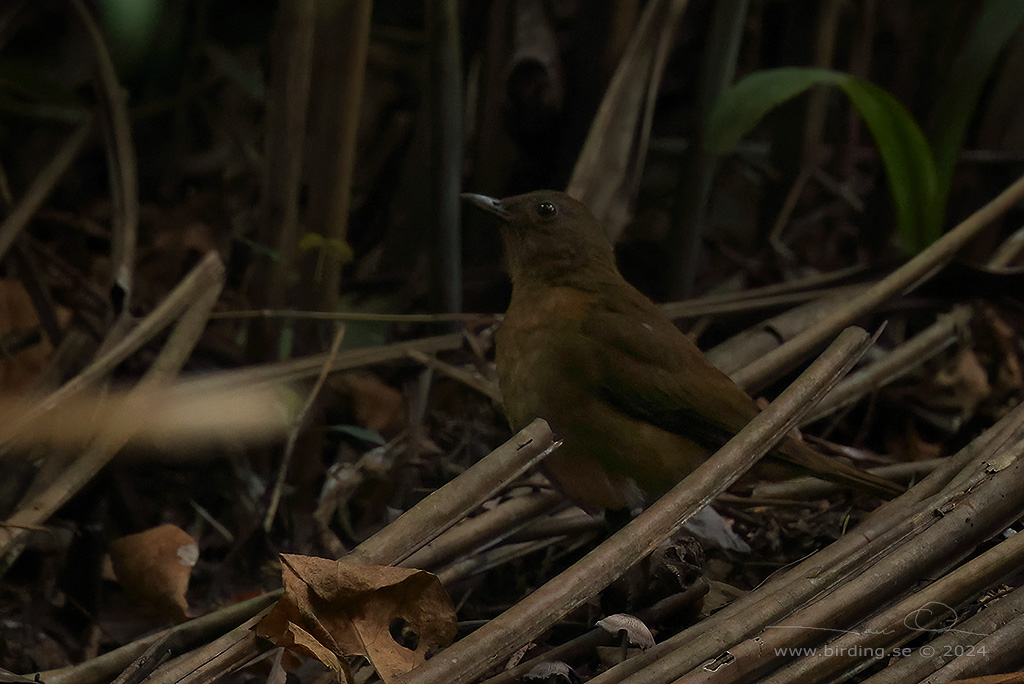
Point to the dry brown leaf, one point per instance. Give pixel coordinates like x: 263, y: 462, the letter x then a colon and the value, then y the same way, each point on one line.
x: 911, y: 446
x: 334, y: 609
x: 997, y: 341
x: 607, y: 172
x: 154, y: 567
x: 376, y: 405
x: 959, y: 385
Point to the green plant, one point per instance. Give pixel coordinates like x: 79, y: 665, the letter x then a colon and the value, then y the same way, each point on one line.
x: 918, y: 174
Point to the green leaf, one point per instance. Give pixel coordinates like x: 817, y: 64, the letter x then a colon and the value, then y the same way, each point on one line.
x: 998, y: 22
x: 909, y: 166
x: 741, y: 107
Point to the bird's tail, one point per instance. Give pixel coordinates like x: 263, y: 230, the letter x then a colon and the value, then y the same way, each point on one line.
x: 800, y: 454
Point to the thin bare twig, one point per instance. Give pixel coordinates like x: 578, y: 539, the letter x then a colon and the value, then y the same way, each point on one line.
x: 905, y: 278
x: 446, y: 506
x: 121, y: 166
x: 208, y: 273
x: 293, y: 436
x: 42, y: 185
x: 172, y: 356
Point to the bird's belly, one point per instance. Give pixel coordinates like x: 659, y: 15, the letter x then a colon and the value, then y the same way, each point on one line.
x: 601, y: 446
x: 607, y: 459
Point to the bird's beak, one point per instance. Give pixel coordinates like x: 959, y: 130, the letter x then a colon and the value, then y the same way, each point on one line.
x: 488, y: 204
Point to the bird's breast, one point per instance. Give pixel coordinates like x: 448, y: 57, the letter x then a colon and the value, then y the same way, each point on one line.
x: 538, y: 354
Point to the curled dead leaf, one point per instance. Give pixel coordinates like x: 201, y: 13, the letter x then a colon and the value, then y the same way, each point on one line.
x: 556, y: 671
x: 960, y: 385
x: 334, y: 609
x: 154, y: 567
x: 635, y: 629
x: 375, y: 405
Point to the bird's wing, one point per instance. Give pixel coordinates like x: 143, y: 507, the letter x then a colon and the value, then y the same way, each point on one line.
x: 648, y: 369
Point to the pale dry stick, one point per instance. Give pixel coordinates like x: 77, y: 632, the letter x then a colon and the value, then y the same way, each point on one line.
x: 208, y: 273
x: 166, y: 416
x: 997, y: 653
x: 755, y: 299
x: 607, y: 170
x: 711, y: 306
x: 923, y: 346
x: 475, y: 381
x: 1009, y: 250
x: 742, y: 349
x: 431, y: 516
x: 793, y: 197
x: 58, y: 461
x: 935, y: 543
x: 922, y: 543
x: 122, y: 169
x: 427, y: 518
x: 473, y: 655
x: 968, y: 478
x: 810, y: 287
x: 354, y: 316
x: 479, y: 563
x: 904, y: 279
x: 145, y: 664
x: 444, y: 507
x: 215, y: 659
x: 42, y: 185
x: 943, y: 541
x: 586, y: 643
x: 571, y: 522
x: 172, y: 357
x: 310, y: 366
x: 962, y: 638
x: 485, y: 529
x: 787, y: 590
x: 942, y: 334
x: 183, y: 337
x: 922, y: 611
x: 136, y: 654
x: 293, y: 435
x: 841, y: 190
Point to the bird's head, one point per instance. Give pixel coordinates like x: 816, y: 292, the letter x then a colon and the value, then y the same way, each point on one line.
x: 550, y: 238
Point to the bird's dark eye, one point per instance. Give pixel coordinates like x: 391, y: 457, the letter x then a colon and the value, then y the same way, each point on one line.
x: 546, y: 209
